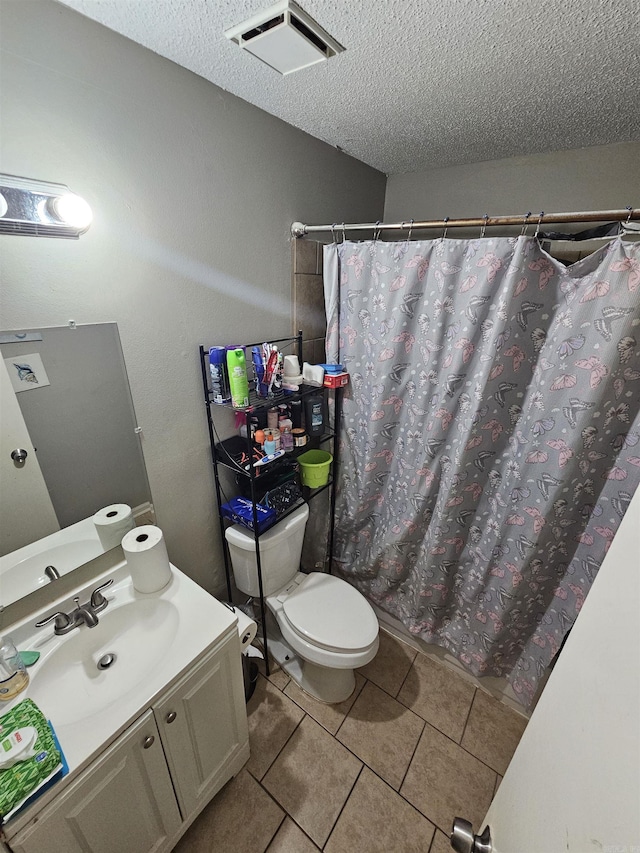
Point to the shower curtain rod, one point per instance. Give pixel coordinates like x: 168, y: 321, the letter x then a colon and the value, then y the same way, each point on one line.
x: 299, y: 229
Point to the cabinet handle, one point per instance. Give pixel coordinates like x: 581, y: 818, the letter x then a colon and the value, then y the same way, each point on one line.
x: 171, y: 716
x: 148, y: 741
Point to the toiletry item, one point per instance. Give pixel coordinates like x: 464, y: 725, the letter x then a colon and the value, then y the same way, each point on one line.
x: 247, y: 628
x: 219, y: 375
x: 259, y: 437
x: 336, y: 380
x: 18, y: 746
x: 333, y: 368
x: 272, y: 418
x: 259, y: 369
x: 286, y: 440
x: 272, y: 368
x: 238, y: 382
x: 146, y: 554
x: 299, y: 437
x: 292, y: 375
x: 312, y: 374
x: 269, y: 446
x: 315, y: 417
x: 29, y: 658
x: 284, y: 423
x: 112, y: 523
x: 296, y: 414
x: 269, y: 458
x: 13, y: 673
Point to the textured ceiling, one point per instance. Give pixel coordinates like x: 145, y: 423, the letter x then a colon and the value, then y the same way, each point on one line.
x: 422, y: 83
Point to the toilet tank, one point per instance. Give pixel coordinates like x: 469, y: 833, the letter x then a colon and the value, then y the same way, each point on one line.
x: 280, y: 550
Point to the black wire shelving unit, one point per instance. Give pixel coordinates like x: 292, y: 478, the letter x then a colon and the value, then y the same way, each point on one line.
x: 222, y: 459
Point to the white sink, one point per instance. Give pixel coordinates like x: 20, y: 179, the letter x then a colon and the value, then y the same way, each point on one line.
x: 28, y: 574
x: 22, y: 571
x: 69, y: 682
x: 154, y: 637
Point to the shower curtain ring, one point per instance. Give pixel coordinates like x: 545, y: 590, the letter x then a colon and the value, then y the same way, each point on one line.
x: 535, y: 236
x: 484, y: 227
x: 524, y: 224
x: 333, y: 231
x: 410, y: 230
x: 376, y: 231
x: 628, y: 219
x: 444, y: 233
x: 344, y: 234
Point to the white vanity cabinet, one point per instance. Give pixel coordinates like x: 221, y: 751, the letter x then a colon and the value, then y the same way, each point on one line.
x: 124, y: 802
x: 191, y: 741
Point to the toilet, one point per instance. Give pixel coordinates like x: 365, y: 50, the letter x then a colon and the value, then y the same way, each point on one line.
x: 326, y: 627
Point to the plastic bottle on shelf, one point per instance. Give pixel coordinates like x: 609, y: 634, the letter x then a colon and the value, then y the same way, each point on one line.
x: 238, y: 381
x: 315, y: 415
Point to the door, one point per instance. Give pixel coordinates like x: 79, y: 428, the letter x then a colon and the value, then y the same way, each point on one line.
x: 25, y: 507
x: 203, y: 726
x: 124, y: 802
x: 573, y: 784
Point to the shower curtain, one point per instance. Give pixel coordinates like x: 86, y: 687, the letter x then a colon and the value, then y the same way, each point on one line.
x: 490, y: 438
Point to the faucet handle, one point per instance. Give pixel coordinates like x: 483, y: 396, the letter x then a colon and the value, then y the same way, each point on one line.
x: 98, y: 601
x: 62, y: 621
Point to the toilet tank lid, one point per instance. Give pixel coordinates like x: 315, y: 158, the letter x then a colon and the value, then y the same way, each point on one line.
x: 243, y: 538
x: 328, y: 611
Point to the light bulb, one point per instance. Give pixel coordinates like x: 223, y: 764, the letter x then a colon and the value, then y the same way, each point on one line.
x: 73, y: 210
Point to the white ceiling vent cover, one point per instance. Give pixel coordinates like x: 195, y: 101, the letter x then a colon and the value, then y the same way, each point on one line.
x: 285, y: 38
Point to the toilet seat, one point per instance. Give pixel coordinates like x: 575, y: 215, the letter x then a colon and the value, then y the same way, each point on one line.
x: 329, y: 613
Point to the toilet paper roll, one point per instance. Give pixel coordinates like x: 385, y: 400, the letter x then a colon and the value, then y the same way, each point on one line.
x: 246, y: 629
x: 146, y: 554
x: 112, y: 523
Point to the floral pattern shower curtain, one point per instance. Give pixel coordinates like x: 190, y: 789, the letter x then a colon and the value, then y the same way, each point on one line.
x: 490, y: 438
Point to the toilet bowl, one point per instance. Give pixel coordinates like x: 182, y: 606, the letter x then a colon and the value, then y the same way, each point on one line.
x: 326, y: 627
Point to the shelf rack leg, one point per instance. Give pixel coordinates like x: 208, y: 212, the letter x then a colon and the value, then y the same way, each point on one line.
x: 337, y: 412
x: 212, y: 444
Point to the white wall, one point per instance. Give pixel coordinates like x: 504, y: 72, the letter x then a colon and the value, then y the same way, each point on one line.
x: 193, y: 192
x: 599, y: 178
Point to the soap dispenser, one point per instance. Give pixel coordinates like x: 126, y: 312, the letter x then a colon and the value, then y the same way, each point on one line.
x: 13, y: 673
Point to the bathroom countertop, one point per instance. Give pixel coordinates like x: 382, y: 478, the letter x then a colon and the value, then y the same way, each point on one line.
x: 202, y: 622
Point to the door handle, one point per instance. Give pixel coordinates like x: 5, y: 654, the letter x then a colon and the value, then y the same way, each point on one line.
x: 464, y: 841
x: 19, y: 456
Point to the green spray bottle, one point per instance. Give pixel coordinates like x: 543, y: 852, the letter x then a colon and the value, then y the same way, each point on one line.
x: 237, y: 366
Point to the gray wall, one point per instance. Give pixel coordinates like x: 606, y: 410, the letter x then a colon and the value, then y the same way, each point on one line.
x: 603, y: 177
x: 193, y: 192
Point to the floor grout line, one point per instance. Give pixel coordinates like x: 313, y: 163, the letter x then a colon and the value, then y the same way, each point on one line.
x: 412, y: 756
x: 464, y: 728
x: 344, y: 805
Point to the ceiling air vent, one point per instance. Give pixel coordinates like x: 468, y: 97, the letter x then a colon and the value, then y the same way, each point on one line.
x: 285, y: 38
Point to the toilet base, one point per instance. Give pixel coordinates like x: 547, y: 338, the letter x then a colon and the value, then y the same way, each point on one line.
x: 326, y: 685
x: 323, y: 683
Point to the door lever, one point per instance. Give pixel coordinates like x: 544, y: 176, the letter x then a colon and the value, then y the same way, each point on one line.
x: 464, y: 841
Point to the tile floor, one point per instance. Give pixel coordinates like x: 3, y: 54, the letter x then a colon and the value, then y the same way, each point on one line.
x: 385, y: 771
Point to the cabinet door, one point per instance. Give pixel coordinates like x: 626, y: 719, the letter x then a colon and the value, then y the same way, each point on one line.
x: 203, y: 726
x: 124, y: 802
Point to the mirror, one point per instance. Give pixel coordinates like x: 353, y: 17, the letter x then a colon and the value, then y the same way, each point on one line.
x: 69, y: 403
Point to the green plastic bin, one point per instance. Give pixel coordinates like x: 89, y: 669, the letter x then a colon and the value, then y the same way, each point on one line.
x: 314, y: 467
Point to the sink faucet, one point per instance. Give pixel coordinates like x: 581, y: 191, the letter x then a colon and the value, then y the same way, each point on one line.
x: 52, y: 573
x: 82, y: 614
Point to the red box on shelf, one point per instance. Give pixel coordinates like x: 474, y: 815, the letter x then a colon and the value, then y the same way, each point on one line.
x: 336, y: 380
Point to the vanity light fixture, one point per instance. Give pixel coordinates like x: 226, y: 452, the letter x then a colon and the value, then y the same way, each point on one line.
x: 285, y: 38
x: 41, y: 209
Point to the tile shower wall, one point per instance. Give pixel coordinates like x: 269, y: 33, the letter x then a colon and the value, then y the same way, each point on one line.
x: 307, y: 297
